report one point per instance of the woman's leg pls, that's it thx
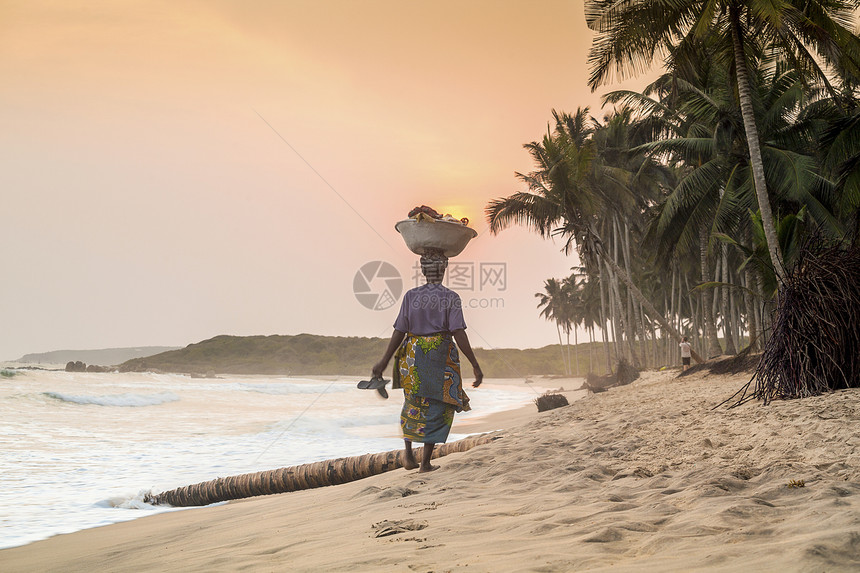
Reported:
(409, 459)
(425, 458)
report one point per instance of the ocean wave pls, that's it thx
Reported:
(280, 388)
(125, 400)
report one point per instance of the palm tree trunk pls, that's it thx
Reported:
(623, 327)
(569, 360)
(695, 316)
(752, 316)
(663, 337)
(561, 347)
(603, 318)
(751, 129)
(736, 316)
(306, 476)
(671, 306)
(655, 349)
(591, 350)
(674, 312)
(707, 305)
(617, 328)
(607, 350)
(624, 311)
(637, 315)
(728, 317)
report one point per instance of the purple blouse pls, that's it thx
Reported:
(429, 309)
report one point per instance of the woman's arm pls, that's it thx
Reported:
(393, 344)
(463, 343)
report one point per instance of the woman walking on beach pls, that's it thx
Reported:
(427, 364)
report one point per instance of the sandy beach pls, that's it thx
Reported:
(646, 477)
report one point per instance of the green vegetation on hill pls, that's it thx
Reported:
(308, 354)
(105, 356)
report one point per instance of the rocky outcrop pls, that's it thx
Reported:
(79, 366)
(76, 367)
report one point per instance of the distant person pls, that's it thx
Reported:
(685, 353)
(427, 364)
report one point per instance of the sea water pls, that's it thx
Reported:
(80, 450)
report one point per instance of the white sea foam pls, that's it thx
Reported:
(128, 501)
(127, 400)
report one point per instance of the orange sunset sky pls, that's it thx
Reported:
(177, 170)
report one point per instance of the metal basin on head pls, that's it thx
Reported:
(424, 234)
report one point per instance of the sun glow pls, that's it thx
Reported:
(458, 211)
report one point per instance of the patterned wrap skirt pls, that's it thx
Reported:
(428, 369)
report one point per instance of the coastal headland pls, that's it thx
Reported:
(315, 355)
(644, 477)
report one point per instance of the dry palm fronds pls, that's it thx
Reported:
(815, 342)
(625, 373)
(550, 401)
(305, 476)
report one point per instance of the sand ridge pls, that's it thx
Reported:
(646, 477)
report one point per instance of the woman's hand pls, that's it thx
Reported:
(479, 376)
(393, 344)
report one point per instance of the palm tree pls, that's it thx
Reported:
(803, 32)
(575, 315)
(632, 183)
(840, 144)
(702, 133)
(552, 301)
(564, 197)
(592, 315)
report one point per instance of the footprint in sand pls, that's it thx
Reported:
(386, 528)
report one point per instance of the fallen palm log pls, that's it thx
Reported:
(305, 476)
(624, 375)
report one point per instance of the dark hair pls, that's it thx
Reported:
(433, 265)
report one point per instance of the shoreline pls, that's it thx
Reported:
(642, 477)
(54, 501)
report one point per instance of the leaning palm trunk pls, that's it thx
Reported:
(649, 308)
(306, 476)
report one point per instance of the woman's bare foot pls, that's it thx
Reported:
(424, 470)
(409, 462)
